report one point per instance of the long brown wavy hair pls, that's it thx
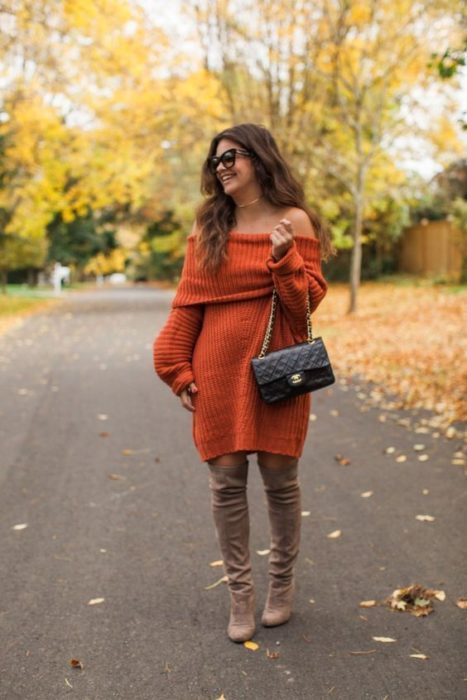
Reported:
(215, 217)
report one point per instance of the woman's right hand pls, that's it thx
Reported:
(185, 397)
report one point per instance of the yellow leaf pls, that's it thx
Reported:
(251, 645)
(224, 579)
(368, 603)
(218, 562)
(419, 656)
(462, 603)
(384, 639)
(335, 534)
(425, 518)
(366, 494)
(96, 601)
(263, 552)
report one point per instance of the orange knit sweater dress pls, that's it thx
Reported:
(217, 325)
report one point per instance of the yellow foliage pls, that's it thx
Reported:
(105, 264)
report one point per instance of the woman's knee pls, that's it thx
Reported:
(268, 460)
(228, 460)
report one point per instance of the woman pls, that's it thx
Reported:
(253, 232)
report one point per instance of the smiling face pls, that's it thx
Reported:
(239, 180)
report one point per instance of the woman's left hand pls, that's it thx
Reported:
(282, 237)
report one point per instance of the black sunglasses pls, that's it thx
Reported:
(227, 158)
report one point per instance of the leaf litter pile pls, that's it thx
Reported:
(413, 599)
(406, 340)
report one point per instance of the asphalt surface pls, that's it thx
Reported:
(96, 460)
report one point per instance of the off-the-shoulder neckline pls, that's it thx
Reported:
(248, 234)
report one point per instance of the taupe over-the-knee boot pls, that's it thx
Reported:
(230, 511)
(283, 495)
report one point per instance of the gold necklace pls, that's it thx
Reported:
(248, 204)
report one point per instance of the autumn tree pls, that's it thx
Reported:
(339, 82)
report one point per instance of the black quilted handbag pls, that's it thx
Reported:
(294, 370)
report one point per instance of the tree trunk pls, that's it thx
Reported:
(4, 281)
(356, 259)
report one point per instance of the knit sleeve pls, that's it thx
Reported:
(296, 276)
(173, 347)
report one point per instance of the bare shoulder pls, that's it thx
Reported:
(194, 230)
(301, 222)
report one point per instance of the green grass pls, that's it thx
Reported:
(20, 299)
(25, 292)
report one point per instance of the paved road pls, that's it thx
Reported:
(96, 458)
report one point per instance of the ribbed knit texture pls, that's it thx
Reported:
(217, 325)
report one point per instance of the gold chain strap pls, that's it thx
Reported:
(272, 316)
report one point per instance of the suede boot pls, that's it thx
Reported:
(284, 507)
(230, 511)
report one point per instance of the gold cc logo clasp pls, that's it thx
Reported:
(296, 379)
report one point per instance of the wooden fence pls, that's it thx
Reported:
(432, 249)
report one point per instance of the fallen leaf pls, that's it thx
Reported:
(462, 603)
(439, 595)
(305, 513)
(218, 562)
(334, 413)
(368, 603)
(423, 458)
(221, 697)
(272, 654)
(96, 601)
(419, 447)
(313, 417)
(401, 458)
(425, 492)
(224, 579)
(76, 663)
(312, 601)
(458, 462)
(251, 645)
(419, 656)
(425, 518)
(384, 639)
(104, 435)
(335, 534)
(20, 526)
(390, 450)
(366, 494)
(102, 416)
(362, 653)
(263, 552)
(116, 477)
(344, 461)
(68, 683)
